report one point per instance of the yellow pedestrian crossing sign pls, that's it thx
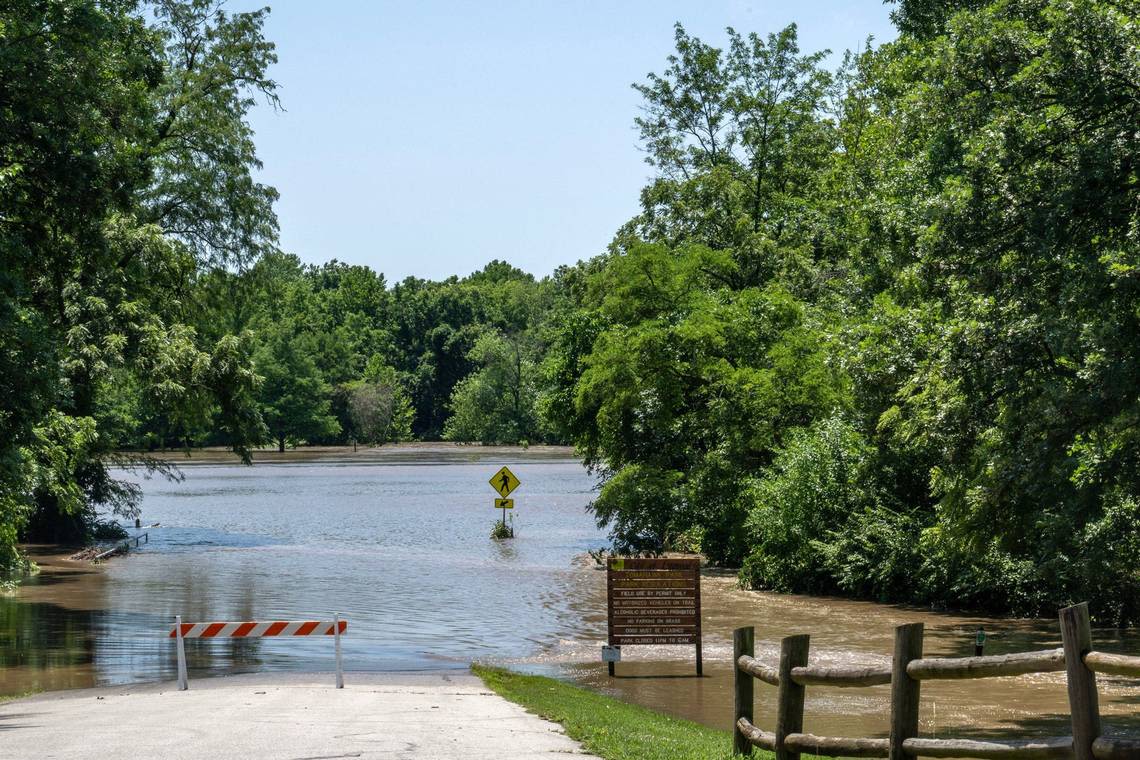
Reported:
(504, 503)
(504, 482)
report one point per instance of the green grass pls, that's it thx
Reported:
(9, 697)
(608, 727)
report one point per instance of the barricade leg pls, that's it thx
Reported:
(336, 643)
(183, 681)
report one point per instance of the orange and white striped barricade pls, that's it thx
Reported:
(250, 630)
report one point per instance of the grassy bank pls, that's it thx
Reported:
(9, 697)
(608, 727)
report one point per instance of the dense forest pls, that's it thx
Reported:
(875, 331)
(342, 358)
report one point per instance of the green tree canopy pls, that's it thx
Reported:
(294, 396)
(125, 168)
(924, 263)
(497, 402)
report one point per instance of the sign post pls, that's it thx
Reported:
(654, 601)
(504, 481)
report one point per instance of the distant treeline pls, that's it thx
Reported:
(343, 358)
(875, 330)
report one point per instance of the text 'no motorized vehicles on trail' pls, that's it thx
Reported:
(654, 601)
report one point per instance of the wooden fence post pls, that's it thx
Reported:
(904, 689)
(743, 642)
(1076, 637)
(790, 695)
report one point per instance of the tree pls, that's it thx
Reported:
(294, 397)
(924, 19)
(378, 407)
(697, 349)
(1017, 163)
(497, 402)
(200, 149)
(924, 264)
(693, 384)
(739, 141)
(110, 125)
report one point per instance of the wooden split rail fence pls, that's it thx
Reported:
(905, 675)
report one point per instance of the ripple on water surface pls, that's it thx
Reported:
(400, 550)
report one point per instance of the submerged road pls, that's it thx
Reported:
(291, 716)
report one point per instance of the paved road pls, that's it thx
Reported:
(287, 716)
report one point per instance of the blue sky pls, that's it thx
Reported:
(427, 138)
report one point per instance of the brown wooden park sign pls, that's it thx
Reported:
(654, 601)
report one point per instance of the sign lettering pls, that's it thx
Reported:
(654, 602)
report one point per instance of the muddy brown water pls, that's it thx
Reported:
(846, 632)
(396, 540)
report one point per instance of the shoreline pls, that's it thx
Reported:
(388, 453)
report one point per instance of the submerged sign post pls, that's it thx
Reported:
(653, 601)
(504, 481)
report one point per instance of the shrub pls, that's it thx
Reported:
(808, 494)
(108, 530)
(1107, 574)
(501, 531)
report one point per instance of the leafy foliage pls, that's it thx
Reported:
(873, 331)
(497, 402)
(114, 192)
(879, 324)
(295, 403)
(378, 407)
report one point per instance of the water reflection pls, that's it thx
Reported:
(402, 551)
(44, 646)
(505, 551)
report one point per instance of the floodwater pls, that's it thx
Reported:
(846, 632)
(401, 549)
(397, 541)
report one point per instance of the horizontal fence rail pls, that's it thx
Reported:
(995, 666)
(254, 629)
(837, 745)
(1025, 749)
(905, 675)
(1113, 664)
(1115, 748)
(759, 670)
(815, 675)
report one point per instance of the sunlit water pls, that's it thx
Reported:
(398, 544)
(402, 551)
